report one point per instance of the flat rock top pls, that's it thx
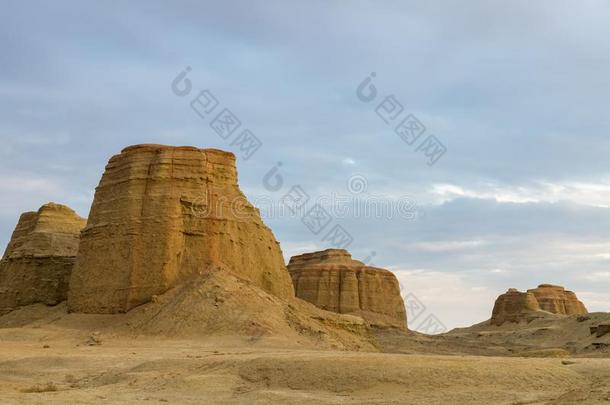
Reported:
(158, 147)
(548, 287)
(338, 256)
(552, 290)
(336, 259)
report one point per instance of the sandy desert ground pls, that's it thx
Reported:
(53, 364)
(215, 342)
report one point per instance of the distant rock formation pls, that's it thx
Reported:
(333, 281)
(515, 306)
(557, 300)
(39, 258)
(162, 215)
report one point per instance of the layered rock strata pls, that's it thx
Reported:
(162, 215)
(333, 281)
(557, 300)
(516, 306)
(39, 258)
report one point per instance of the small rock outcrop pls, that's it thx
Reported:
(39, 258)
(162, 215)
(516, 306)
(333, 281)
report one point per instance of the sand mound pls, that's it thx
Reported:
(220, 304)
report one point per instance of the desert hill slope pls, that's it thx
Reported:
(563, 335)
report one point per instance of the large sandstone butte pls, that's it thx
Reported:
(333, 281)
(515, 306)
(39, 258)
(162, 215)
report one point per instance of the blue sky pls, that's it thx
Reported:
(516, 91)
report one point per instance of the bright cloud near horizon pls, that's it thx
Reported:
(516, 91)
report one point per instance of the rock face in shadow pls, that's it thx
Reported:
(333, 281)
(557, 300)
(162, 215)
(39, 258)
(516, 306)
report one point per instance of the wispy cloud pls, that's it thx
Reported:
(444, 246)
(581, 193)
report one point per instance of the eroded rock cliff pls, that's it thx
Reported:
(39, 258)
(333, 281)
(164, 214)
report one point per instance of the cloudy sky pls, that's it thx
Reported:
(517, 93)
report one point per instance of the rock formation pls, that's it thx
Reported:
(515, 306)
(555, 299)
(162, 215)
(39, 258)
(333, 281)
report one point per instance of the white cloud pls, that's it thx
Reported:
(444, 246)
(28, 184)
(598, 276)
(595, 194)
(25, 192)
(498, 271)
